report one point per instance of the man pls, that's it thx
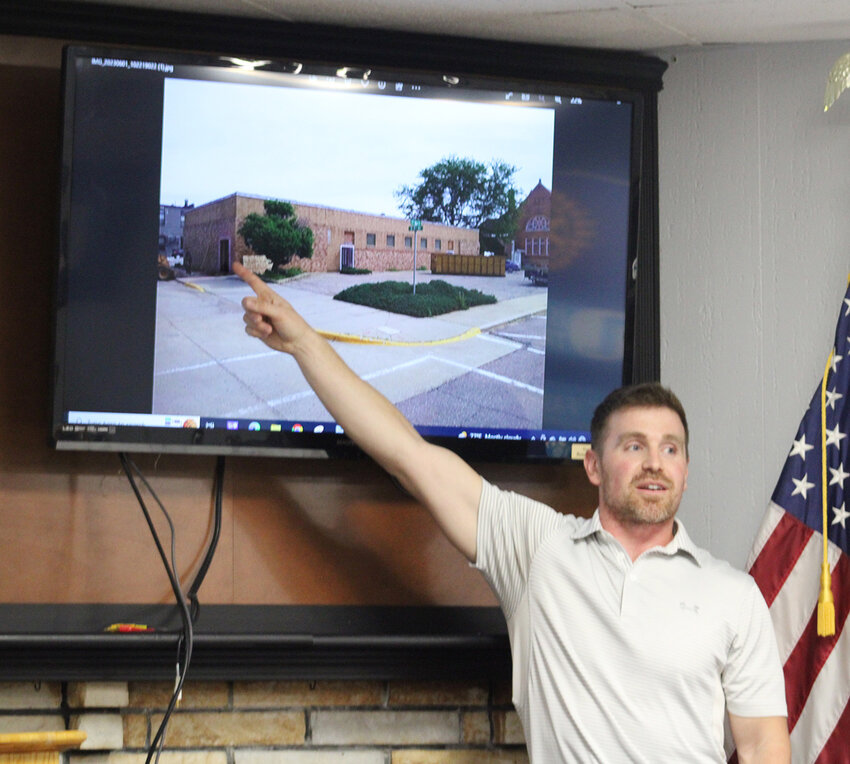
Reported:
(629, 643)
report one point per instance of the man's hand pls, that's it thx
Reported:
(268, 316)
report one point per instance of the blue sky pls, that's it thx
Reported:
(340, 148)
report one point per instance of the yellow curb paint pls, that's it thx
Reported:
(358, 340)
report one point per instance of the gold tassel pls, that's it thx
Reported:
(826, 605)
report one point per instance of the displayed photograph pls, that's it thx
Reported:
(411, 231)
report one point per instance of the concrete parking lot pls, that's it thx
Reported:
(480, 367)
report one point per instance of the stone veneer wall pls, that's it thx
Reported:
(286, 722)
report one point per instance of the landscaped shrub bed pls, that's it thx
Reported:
(432, 298)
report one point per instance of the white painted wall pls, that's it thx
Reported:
(755, 253)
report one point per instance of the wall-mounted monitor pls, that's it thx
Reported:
(525, 191)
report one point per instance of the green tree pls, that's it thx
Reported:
(496, 232)
(277, 234)
(465, 193)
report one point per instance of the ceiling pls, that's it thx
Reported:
(637, 25)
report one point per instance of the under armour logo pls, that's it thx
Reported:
(693, 608)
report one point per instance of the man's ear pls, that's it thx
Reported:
(591, 466)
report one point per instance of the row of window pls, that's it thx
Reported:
(372, 241)
(537, 246)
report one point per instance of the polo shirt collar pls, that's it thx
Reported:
(681, 541)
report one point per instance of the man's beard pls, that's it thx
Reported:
(629, 507)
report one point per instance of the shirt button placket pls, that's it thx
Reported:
(629, 578)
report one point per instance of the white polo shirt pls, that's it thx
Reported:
(621, 661)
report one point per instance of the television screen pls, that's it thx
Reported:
(467, 244)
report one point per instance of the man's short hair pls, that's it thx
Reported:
(651, 394)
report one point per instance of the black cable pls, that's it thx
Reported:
(189, 605)
(218, 490)
(185, 642)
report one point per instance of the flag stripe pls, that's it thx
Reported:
(798, 598)
(772, 515)
(779, 554)
(824, 707)
(811, 651)
(793, 606)
(836, 750)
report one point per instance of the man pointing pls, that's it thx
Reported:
(629, 643)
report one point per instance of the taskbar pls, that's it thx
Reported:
(573, 443)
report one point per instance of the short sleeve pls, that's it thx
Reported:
(511, 528)
(753, 681)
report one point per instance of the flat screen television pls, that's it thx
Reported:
(165, 155)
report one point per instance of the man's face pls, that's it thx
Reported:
(642, 469)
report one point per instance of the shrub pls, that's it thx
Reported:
(431, 299)
(277, 234)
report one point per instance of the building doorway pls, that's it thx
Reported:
(346, 250)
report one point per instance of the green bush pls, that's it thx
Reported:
(431, 299)
(348, 270)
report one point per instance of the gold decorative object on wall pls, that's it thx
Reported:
(837, 81)
(38, 747)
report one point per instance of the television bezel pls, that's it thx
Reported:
(640, 360)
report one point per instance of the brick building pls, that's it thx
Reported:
(532, 232)
(340, 237)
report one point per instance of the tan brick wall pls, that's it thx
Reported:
(204, 229)
(277, 722)
(30, 707)
(208, 224)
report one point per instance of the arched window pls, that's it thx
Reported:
(537, 223)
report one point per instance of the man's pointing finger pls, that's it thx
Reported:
(253, 280)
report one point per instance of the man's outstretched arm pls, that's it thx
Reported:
(438, 478)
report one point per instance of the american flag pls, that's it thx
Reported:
(786, 563)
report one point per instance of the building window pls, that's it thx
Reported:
(370, 240)
(438, 243)
(408, 242)
(451, 247)
(162, 216)
(390, 239)
(537, 223)
(537, 246)
(423, 242)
